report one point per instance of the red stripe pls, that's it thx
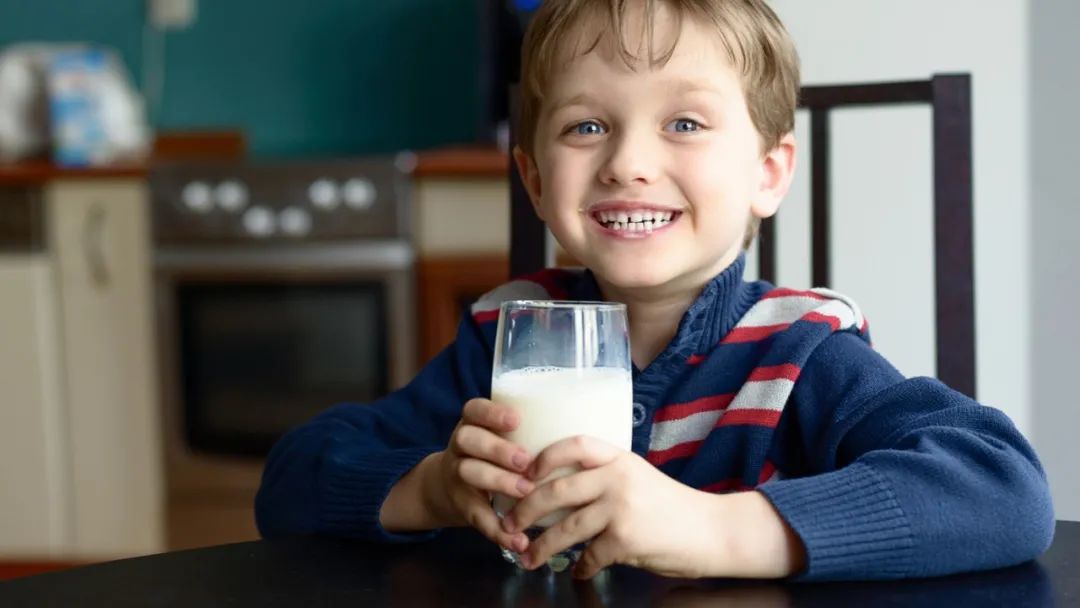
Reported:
(767, 471)
(682, 410)
(752, 334)
(736, 483)
(783, 292)
(759, 417)
(486, 316)
(865, 326)
(817, 317)
(787, 371)
(695, 359)
(683, 450)
(726, 485)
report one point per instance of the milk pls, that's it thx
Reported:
(557, 403)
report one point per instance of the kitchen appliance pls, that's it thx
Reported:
(282, 289)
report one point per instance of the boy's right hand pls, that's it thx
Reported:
(476, 463)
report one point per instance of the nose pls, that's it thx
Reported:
(632, 158)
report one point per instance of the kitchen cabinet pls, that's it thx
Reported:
(462, 229)
(33, 455)
(81, 459)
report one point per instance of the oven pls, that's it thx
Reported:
(282, 289)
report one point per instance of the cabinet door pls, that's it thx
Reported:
(99, 235)
(34, 497)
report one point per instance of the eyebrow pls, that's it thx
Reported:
(581, 99)
(681, 86)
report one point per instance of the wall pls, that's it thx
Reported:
(1055, 219)
(320, 78)
(882, 217)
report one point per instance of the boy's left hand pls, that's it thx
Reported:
(634, 513)
(638, 516)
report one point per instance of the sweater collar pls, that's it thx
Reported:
(722, 302)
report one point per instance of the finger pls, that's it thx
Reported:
(577, 527)
(479, 514)
(490, 415)
(602, 552)
(481, 443)
(487, 477)
(562, 493)
(582, 450)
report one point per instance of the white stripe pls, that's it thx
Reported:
(671, 433)
(763, 395)
(774, 311)
(514, 290)
(839, 311)
(854, 308)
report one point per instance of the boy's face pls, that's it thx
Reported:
(615, 146)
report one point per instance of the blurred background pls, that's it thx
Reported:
(219, 218)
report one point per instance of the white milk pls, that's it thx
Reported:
(557, 403)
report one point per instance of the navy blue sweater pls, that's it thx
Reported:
(761, 388)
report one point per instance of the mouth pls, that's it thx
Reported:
(633, 220)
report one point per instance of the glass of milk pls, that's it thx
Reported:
(565, 368)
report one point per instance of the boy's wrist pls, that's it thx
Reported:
(411, 503)
(754, 540)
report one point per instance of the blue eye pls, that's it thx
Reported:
(685, 125)
(588, 127)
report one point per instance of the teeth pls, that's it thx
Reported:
(635, 221)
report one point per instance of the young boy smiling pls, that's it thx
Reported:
(769, 439)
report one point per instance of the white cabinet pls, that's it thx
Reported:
(34, 488)
(89, 480)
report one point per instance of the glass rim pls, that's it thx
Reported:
(562, 305)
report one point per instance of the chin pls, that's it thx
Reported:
(640, 277)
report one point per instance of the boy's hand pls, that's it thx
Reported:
(476, 463)
(637, 515)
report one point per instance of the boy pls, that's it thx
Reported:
(655, 135)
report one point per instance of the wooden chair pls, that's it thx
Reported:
(949, 96)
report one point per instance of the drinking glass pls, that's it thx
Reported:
(565, 368)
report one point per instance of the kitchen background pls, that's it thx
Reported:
(340, 162)
(329, 78)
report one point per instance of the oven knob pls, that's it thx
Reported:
(259, 221)
(324, 194)
(197, 197)
(294, 221)
(359, 193)
(231, 195)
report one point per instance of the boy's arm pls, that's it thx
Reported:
(332, 475)
(891, 478)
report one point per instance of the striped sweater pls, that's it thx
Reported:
(761, 388)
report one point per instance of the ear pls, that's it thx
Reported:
(530, 177)
(777, 171)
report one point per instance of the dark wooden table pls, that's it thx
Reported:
(462, 569)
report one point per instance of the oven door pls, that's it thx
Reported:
(257, 342)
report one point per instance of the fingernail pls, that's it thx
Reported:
(520, 460)
(520, 543)
(524, 486)
(508, 525)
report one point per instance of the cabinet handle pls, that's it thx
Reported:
(93, 246)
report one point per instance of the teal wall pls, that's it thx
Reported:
(322, 77)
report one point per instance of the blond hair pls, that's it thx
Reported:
(754, 39)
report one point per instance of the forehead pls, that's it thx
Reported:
(683, 51)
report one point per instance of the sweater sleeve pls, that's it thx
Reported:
(894, 478)
(331, 475)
